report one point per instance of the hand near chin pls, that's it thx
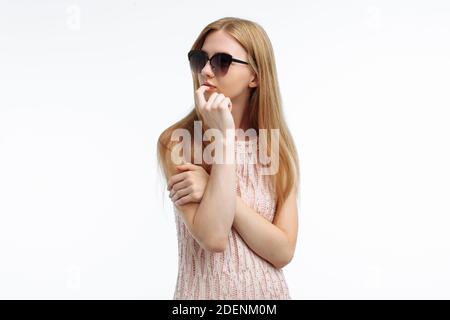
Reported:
(216, 111)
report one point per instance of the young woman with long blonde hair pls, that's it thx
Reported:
(237, 227)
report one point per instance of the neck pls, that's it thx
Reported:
(240, 111)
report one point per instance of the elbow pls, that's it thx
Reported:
(281, 264)
(216, 245)
(284, 261)
(212, 242)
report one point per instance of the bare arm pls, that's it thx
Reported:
(210, 221)
(274, 242)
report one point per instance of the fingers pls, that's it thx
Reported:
(178, 186)
(215, 100)
(208, 103)
(200, 95)
(175, 178)
(181, 193)
(184, 200)
(187, 166)
(213, 111)
(226, 104)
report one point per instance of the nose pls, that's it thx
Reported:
(207, 70)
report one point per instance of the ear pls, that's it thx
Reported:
(254, 82)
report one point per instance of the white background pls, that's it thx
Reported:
(86, 88)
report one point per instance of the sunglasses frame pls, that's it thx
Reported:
(192, 52)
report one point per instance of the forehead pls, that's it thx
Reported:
(220, 41)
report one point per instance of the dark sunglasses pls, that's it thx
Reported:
(220, 62)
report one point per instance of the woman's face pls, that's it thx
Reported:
(239, 79)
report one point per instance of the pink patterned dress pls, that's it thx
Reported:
(238, 272)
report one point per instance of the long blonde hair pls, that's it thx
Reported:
(264, 109)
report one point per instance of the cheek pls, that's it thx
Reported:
(232, 86)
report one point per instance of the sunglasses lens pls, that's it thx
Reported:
(197, 60)
(220, 63)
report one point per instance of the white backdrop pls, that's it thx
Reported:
(86, 87)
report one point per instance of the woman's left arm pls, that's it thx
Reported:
(273, 241)
(276, 241)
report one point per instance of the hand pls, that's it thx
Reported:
(189, 185)
(216, 112)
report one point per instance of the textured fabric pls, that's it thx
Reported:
(238, 272)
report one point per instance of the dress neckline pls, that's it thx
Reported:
(250, 140)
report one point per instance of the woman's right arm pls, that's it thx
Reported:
(210, 221)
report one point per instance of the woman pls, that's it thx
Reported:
(237, 227)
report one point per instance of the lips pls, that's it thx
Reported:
(208, 84)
